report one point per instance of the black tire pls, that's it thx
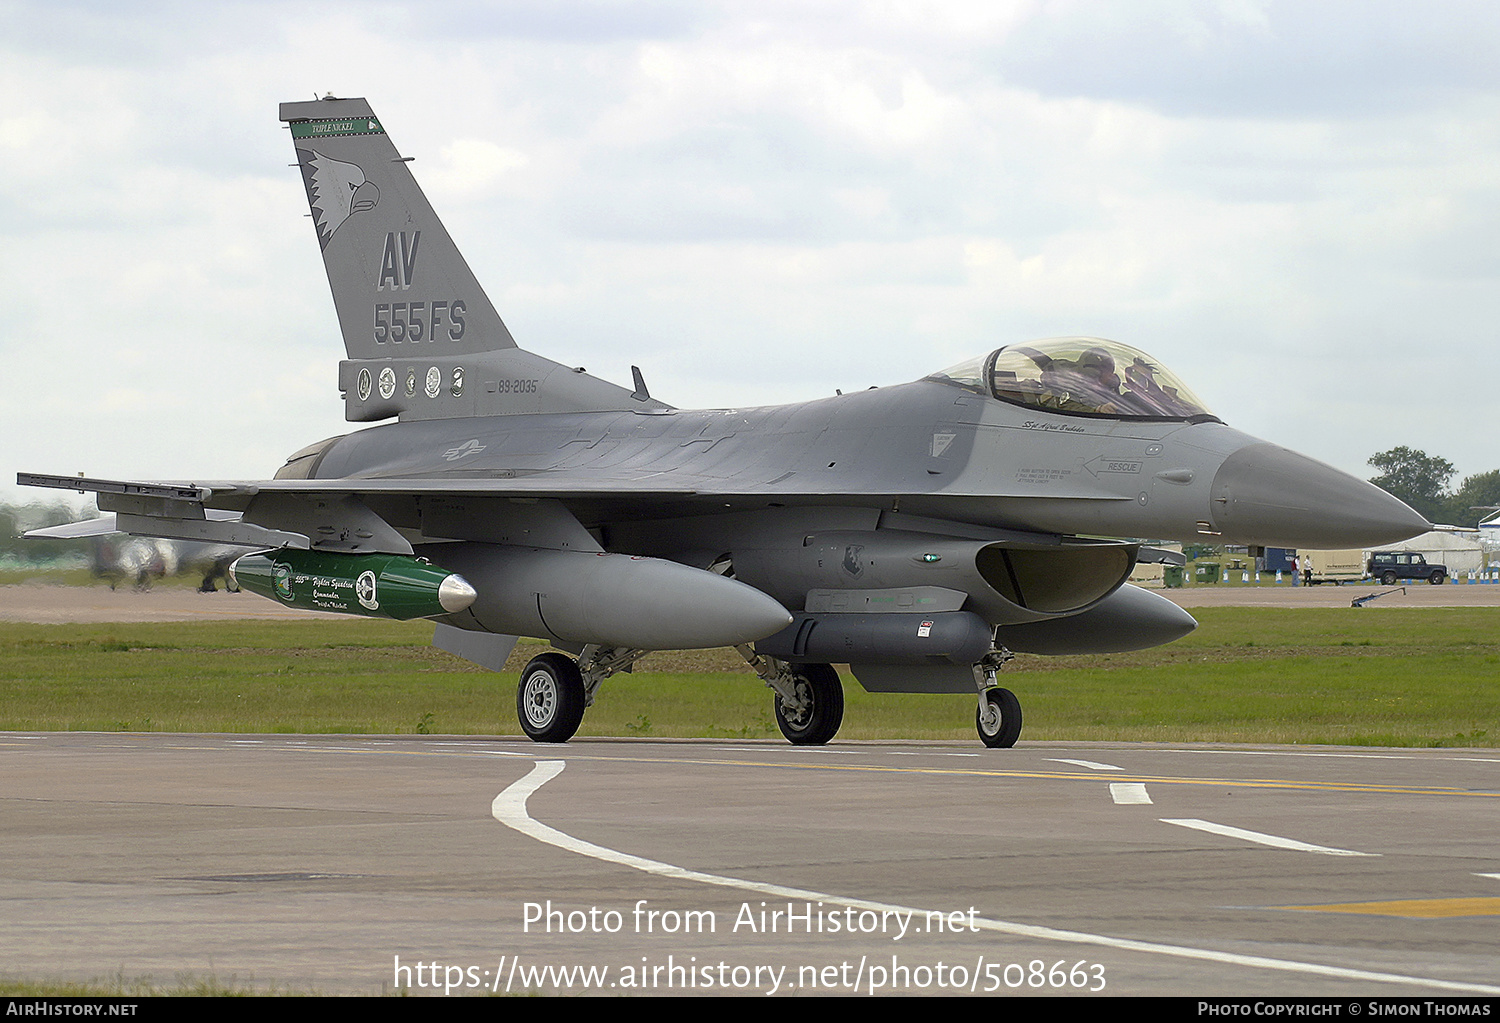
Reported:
(1008, 729)
(819, 721)
(549, 698)
(1437, 579)
(1388, 579)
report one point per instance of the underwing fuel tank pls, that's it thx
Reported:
(615, 600)
(373, 585)
(939, 637)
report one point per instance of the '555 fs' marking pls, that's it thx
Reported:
(411, 322)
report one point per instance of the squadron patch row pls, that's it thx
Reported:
(432, 384)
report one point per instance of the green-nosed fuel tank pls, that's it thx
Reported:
(373, 585)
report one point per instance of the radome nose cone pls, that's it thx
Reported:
(1265, 494)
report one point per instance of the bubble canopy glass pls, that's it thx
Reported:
(1086, 376)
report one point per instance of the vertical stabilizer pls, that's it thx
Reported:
(401, 288)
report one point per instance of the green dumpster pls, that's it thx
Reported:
(1171, 576)
(1207, 572)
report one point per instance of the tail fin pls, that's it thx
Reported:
(400, 285)
(423, 340)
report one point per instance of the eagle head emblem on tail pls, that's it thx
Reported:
(335, 191)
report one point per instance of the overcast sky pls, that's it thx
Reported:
(1292, 204)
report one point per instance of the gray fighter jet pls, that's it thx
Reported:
(919, 533)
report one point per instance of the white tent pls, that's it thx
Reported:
(1489, 532)
(1459, 549)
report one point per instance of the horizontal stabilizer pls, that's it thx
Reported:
(107, 523)
(100, 526)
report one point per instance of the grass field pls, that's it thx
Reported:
(1386, 677)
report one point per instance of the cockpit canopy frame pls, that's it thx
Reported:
(1083, 376)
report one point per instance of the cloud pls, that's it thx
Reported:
(760, 203)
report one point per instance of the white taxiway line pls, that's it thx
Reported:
(1424, 755)
(1262, 839)
(1129, 793)
(1091, 765)
(509, 808)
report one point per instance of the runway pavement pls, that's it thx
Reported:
(358, 864)
(462, 865)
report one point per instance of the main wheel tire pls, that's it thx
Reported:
(549, 698)
(819, 719)
(1389, 579)
(1008, 726)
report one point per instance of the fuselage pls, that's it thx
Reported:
(924, 448)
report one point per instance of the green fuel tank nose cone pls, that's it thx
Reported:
(374, 585)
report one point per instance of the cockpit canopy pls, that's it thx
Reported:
(1081, 376)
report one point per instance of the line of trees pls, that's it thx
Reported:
(1421, 480)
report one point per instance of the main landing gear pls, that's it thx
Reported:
(812, 715)
(809, 700)
(555, 690)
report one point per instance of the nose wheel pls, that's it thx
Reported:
(998, 718)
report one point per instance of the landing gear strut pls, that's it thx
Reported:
(809, 699)
(998, 717)
(555, 690)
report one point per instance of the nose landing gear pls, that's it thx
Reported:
(998, 717)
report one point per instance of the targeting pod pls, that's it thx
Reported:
(373, 585)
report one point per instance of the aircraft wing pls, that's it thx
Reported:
(521, 484)
(236, 493)
(327, 513)
(337, 513)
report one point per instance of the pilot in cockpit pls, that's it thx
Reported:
(1099, 384)
(1087, 385)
